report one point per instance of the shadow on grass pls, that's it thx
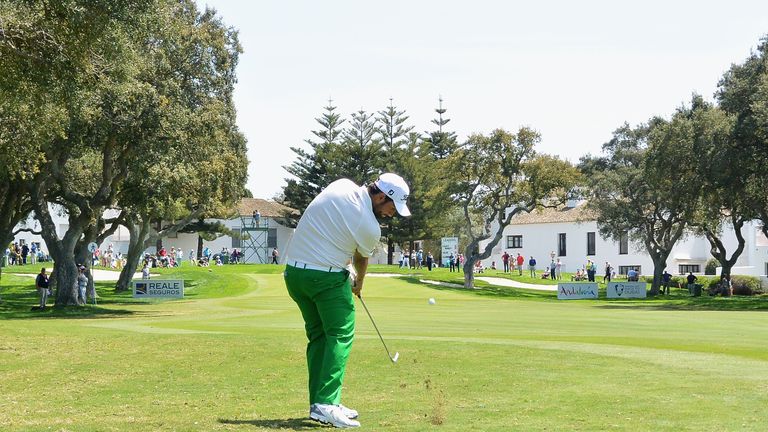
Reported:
(21, 304)
(292, 423)
(675, 301)
(683, 302)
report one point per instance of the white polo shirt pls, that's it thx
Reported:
(337, 222)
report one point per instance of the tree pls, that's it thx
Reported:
(440, 143)
(310, 167)
(743, 93)
(499, 176)
(134, 78)
(358, 155)
(398, 144)
(722, 200)
(649, 186)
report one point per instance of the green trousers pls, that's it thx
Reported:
(325, 301)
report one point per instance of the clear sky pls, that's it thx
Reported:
(574, 71)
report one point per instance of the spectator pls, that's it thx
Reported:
(478, 267)
(430, 260)
(452, 262)
(632, 275)
(608, 272)
(666, 278)
(505, 261)
(42, 285)
(552, 269)
(520, 260)
(82, 284)
(691, 283)
(275, 255)
(145, 271)
(24, 253)
(192, 256)
(558, 269)
(578, 276)
(532, 266)
(725, 286)
(590, 268)
(419, 258)
(256, 218)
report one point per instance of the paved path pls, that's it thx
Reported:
(515, 284)
(491, 280)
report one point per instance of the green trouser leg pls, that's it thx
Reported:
(326, 304)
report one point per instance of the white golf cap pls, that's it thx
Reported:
(396, 189)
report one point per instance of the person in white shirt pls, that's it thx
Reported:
(339, 225)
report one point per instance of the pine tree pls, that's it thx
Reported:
(440, 143)
(311, 167)
(358, 156)
(394, 136)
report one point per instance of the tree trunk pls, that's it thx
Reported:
(199, 246)
(136, 245)
(659, 265)
(469, 274)
(64, 278)
(390, 250)
(159, 241)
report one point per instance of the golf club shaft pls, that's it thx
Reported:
(374, 326)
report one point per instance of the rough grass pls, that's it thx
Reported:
(230, 357)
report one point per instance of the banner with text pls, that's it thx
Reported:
(450, 245)
(626, 290)
(161, 288)
(576, 290)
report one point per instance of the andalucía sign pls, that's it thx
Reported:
(576, 290)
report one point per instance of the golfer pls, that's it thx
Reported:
(338, 225)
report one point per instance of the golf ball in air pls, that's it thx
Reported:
(431, 301)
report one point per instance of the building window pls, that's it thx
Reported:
(624, 243)
(689, 268)
(561, 244)
(272, 237)
(514, 242)
(624, 269)
(590, 243)
(237, 242)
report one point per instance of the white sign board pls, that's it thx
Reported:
(160, 288)
(576, 290)
(450, 245)
(626, 290)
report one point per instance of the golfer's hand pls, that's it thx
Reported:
(357, 286)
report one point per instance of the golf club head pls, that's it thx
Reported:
(394, 359)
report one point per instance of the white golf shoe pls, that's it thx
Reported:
(334, 415)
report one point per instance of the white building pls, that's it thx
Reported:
(571, 234)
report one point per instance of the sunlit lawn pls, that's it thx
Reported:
(230, 356)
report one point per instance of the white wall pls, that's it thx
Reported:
(540, 240)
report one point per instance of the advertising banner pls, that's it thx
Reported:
(626, 290)
(161, 288)
(450, 245)
(576, 290)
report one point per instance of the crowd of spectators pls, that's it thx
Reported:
(20, 253)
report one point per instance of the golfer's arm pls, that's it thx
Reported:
(361, 266)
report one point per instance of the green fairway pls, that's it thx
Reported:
(230, 357)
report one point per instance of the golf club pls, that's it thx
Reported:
(397, 354)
